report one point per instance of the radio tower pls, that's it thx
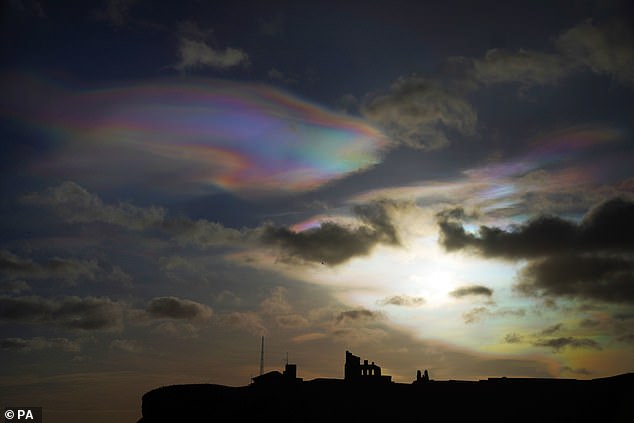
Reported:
(262, 357)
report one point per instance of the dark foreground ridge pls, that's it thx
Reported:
(366, 395)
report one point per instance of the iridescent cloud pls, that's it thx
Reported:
(558, 162)
(197, 132)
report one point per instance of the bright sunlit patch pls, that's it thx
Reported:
(237, 136)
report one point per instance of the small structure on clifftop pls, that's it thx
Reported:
(354, 371)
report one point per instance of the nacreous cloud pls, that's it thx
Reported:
(190, 136)
(589, 259)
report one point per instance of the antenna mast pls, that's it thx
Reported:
(262, 357)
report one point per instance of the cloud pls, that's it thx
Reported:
(69, 270)
(354, 316)
(126, 345)
(512, 338)
(307, 337)
(197, 54)
(276, 303)
(471, 290)
(552, 329)
(402, 300)
(589, 259)
(419, 113)
(13, 286)
(247, 321)
(604, 278)
(203, 233)
(558, 344)
(605, 49)
(89, 313)
(116, 12)
(38, 343)
(332, 243)
(74, 204)
(178, 308)
(478, 313)
(524, 66)
(359, 336)
(292, 321)
(191, 30)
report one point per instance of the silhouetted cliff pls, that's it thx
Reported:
(366, 394)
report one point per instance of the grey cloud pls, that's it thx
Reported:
(512, 338)
(523, 66)
(247, 321)
(292, 321)
(472, 290)
(89, 313)
(605, 49)
(356, 315)
(126, 345)
(603, 278)
(419, 113)
(13, 286)
(75, 204)
(590, 259)
(332, 243)
(38, 343)
(552, 329)
(478, 313)
(198, 54)
(178, 308)
(204, 234)
(403, 300)
(116, 12)
(557, 344)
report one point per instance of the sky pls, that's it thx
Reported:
(441, 185)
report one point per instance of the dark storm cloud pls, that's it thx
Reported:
(332, 243)
(402, 300)
(89, 313)
(178, 308)
(558, 344)
(471, 291)
(419, 113)
(589, 259)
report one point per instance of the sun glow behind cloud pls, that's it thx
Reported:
(201, 132)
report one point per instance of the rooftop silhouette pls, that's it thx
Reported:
(366, 394)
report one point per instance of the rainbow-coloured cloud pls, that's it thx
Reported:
(197, 133)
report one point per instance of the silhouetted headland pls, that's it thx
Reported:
(366, 394)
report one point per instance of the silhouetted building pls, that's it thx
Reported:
(275, 378)
(421, 378)
(354, 371)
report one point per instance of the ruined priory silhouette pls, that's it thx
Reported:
(366, 394)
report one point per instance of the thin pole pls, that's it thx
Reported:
(262, 357)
